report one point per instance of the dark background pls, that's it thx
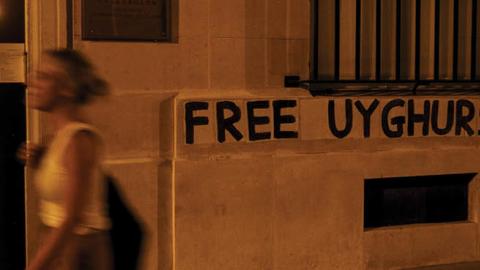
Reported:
(12, 134)
(12, 21)
(12, 220)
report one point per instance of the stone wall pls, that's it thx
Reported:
(221, 46)
(267, 204)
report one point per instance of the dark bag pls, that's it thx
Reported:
(126, 233)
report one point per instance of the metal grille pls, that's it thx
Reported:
(404, 46)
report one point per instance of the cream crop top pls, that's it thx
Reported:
(51, 179)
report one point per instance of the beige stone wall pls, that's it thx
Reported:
(221, 46)
(298, 203)
(234, 44)
(276, 204)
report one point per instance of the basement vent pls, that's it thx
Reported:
(418, 199)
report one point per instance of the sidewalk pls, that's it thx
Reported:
(456, 266)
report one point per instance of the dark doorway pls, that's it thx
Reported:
(13, 21)
(12, 134)
(12, 213)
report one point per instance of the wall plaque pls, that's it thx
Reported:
(129, 20)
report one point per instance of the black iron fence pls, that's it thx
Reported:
(395, 38)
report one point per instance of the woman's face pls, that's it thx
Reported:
(48, 87)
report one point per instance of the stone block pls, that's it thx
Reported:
(241, 126)
(255, 18)
(298, 19)
(277, 62)
(474, 123)
(326, 41)
(202, 134)
(386, 248)
(477, 116)
(375, 118)
(139, 185)
(277, 19)
(474, 199)
(313, 225)
(224, 214)
(441, 121)
(167, 124)
(262, 112)
(285, 129)
(418, 109)
(193, 63)
(157, 62)
(347, 37)
(397, 112)
(298, 57)
(137, 129)
(160, 64)
(194, 17)
(165, 215)
(255, 63)
(411, 162)
(339, 120)
(448, 243)
(227, 62)
(227, 18)
(426, 47)
(314, 119)
(420, 245)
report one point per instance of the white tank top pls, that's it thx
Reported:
(51, 179)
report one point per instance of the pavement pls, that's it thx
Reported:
(456, 266)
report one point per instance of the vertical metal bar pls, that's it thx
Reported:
(314, 41)
(473, 75)
(455, 41)
(337, 40)
(378, 39)
(436, 61)
(418, 12)
(358, 38)
(69, 24)
(398, 40)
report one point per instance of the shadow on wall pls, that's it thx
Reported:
(127, 232)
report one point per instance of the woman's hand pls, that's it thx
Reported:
(30, 154)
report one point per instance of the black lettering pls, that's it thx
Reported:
(279, 119)
(257, 120)
(398, 121)
(332, 120)
(435, 118)
(463, 120)
(366, 114)
(191, 121)
(224, 124)
(418, 118)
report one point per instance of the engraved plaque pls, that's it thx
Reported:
(129, 20)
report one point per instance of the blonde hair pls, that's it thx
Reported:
(86, 83)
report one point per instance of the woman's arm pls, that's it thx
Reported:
(79, 160)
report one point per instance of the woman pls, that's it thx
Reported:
(68, 176)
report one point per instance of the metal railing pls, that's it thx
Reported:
(376, 83)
